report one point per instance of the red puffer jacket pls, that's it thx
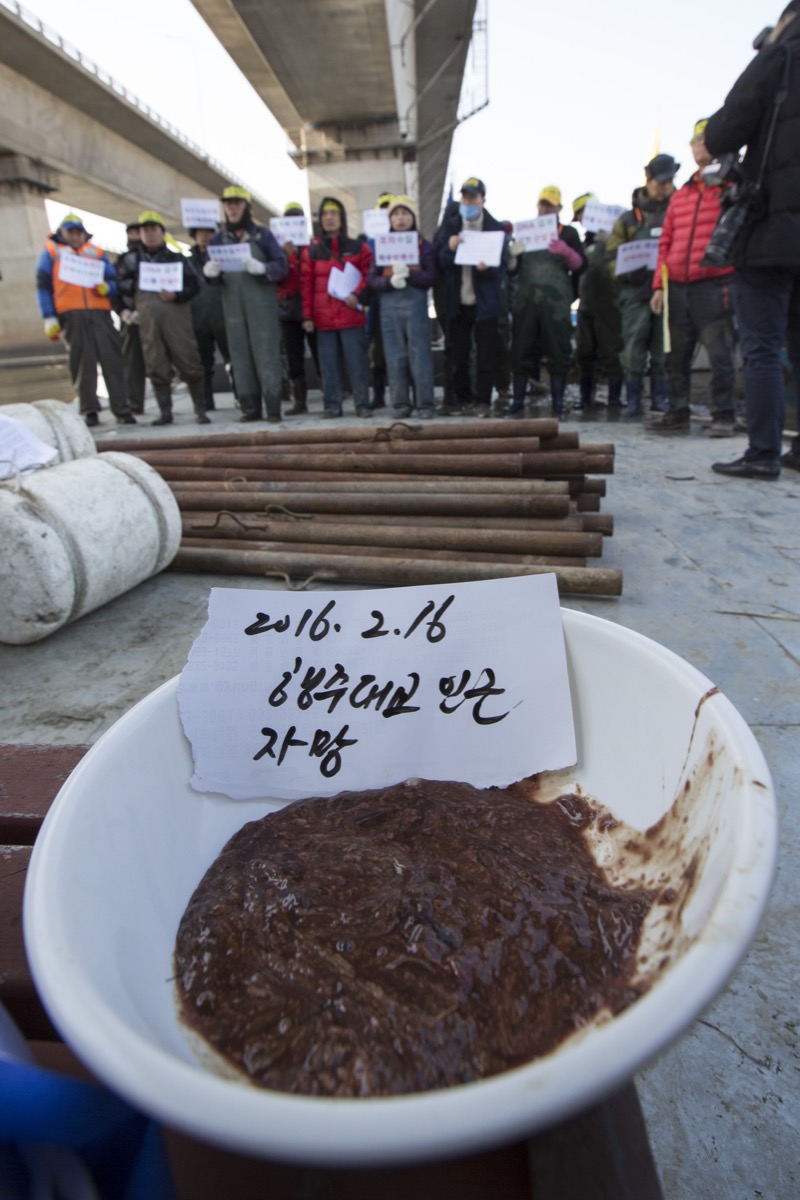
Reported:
(691, 217)
(316, 263)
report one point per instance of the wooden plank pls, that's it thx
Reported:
(30, 778)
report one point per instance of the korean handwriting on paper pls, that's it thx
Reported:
(304, 685)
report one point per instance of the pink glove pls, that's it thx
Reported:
(571, 257)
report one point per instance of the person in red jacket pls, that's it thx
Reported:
(339, 320)
(699, 299)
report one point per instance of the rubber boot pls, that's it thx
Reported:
(251, 408)
(658, 395)
(197, 391)
(300, 398)
(208, 393)
(164, 400)
(558, 384)
(615, 393)
(587, 391)
(633, 392)
(519, 386)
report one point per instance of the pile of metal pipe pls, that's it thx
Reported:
(389, 505)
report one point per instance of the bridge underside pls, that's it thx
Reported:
(366, 90)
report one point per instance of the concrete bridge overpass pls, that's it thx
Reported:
(367, 90)
(69, 131)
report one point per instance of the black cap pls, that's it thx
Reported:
(473, 187)
(132, 225)
(662, 168)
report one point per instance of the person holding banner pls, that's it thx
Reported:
(333, 278)
(599, 340)
(540, 317)
(208, 317)
(700, 308)
(250, 303)
(290, 308)
(132, 357)
(642, 331)
(75, 287)
(403, 290)
(471, 300)
(156, 285)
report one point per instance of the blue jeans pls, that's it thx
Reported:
(767, 306)
(351, 345)
(407, 346)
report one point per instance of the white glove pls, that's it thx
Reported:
(52, 328)
(254, 267)
(397, 281)
(129, 316)
(399, 270)
(516, 248)
(212, 269)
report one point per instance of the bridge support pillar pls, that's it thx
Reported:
(24, 225)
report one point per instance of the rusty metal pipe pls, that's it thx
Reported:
(365, 569)
(540, 505)
(245, 546)
(416, 486)
(533, 427)
(409, 536)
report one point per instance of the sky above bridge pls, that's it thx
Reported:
(579, 92)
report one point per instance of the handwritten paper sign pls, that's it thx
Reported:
(161, 277)
(538, 233)
(79, 269)
(479, 247)
(200, 214)
(231, 256)
(633, 255)
(376, 220)
(599, 218)
(290, 229)
(343, 282)
(397, 247)
(289, 694)
(21, 450)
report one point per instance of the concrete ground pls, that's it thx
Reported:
(711, 570)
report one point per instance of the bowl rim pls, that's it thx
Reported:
(464, 1119)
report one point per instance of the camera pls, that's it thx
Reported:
(740, 203)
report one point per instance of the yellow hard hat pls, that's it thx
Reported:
(402, 202)
(384, 200)
(551, 194)
(234, 192)
(294, 209)
(150, 218)
(71, 221)
(699, 130)
(580, 202)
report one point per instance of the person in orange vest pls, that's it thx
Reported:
(75, 300)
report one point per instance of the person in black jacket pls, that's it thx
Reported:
(208, 317)
(164, 318)
(472, 300)
(766, 284)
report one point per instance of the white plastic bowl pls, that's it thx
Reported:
(127, 840)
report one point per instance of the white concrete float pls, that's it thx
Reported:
(76, 535)
(55, 424)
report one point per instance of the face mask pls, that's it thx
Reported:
(468, 211)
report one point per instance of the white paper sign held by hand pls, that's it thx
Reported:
(161, 277)
(288, 695)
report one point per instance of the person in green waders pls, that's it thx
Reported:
(540, 315)
(250, 302)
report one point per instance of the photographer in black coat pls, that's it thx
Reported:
(766, 287)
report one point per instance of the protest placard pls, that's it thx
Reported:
(288, 694)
